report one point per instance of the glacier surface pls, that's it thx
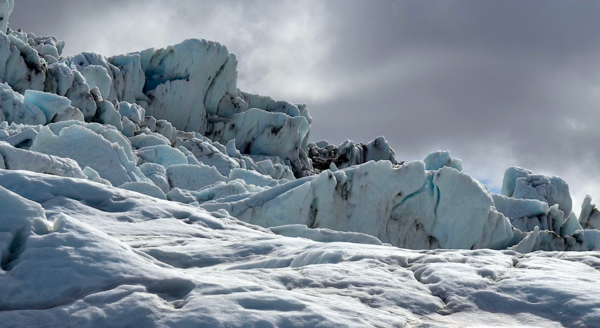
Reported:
(146, 189)
(90, 255)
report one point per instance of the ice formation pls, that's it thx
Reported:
(524, 184)
(174, 119)
(79, 253)
(406, 206)
(323, 154)
(147, 189)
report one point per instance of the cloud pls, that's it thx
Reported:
(498, 83)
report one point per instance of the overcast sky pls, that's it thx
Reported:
(498, 83)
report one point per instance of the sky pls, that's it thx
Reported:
(498, 83)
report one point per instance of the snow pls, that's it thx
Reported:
(97, 255)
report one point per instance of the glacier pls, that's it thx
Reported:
(146, 189)
(87, 254)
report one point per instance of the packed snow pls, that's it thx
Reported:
(147, 190)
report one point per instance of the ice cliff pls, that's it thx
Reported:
(120, 173)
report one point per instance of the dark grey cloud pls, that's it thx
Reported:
(498, 83)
